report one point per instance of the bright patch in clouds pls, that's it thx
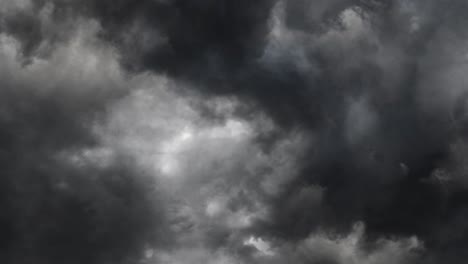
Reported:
(261, 245)
(186, 142)
(168, 162)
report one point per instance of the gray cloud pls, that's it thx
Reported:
(228, 122)
(56, 209)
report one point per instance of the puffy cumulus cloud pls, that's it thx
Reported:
(233, 131)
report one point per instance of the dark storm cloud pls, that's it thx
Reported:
(55, 206)
(384, 179)
(359, 76)
(173, 36)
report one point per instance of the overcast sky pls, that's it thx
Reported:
(233, 131)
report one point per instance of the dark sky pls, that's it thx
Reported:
(233, 131)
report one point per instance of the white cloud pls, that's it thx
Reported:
(261, 245)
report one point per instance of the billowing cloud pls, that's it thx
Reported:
(56, 206)
(190, 131)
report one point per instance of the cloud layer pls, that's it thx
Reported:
(270, 131)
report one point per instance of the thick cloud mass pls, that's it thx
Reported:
(216, 131)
